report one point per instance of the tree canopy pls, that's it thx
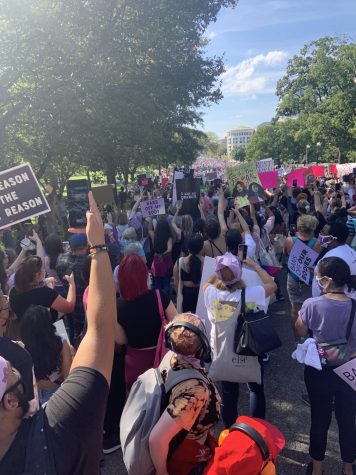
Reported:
(105, 84)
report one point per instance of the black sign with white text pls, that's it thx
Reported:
(21, 197)
(188, 191)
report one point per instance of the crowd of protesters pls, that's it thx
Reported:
(111, 287)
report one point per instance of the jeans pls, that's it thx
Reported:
(230, 397)
(163, 283)
(323, 388)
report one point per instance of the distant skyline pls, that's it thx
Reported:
(257, 40)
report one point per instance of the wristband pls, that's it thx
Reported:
(93, 250)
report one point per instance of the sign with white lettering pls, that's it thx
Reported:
(21, 197)
(153, 207)
(188, 191)
(266, 165)
(347, 373)
(301, 260)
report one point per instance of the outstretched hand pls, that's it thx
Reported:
(94, 228)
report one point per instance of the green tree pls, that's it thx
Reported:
(109, 85)
(319, 88)
(239, 154)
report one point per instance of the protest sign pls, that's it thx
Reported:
(269, 179)
(244, 184)
(266, 165)
(299, 175)
(21, 197)
(347, 372)
(345, 169)
(103, 194)
(249, 277)
(332, 169)
(165, 181)
(318, 170)
(301, 260)
(178, 175)
(153, 207)
(188, 191)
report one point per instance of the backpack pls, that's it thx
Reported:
(147, 400)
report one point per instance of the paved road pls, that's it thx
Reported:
(284, 386)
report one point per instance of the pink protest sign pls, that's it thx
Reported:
(318, 170)
(298, 175)
(269, 179)
(332, 169)
(165, 181)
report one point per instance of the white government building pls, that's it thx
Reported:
(240, 136)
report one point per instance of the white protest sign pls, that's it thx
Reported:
(21, 197)
(347, 372)
(266, 165)
(153, 207)
(61, 330)
(249, 277)
(178, 175)
(301, 259)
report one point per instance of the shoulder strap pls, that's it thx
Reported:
(180, 375)
(243, 302)
(351, 319)
(216, 247)
(160, 307)
(254, 435)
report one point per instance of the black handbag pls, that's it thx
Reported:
(254, 333)
(336, 353)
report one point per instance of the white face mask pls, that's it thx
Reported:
(321, 286)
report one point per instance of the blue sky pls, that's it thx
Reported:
(257, 39)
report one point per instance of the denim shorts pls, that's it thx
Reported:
(298, 291)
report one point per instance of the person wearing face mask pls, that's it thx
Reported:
(333, 239)
(327, 317)
(297, 290)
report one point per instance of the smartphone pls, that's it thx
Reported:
(77, 202)
(242, 250)
(66, 246)
(292, 229)
(294, 183)
(310, 179)
(28, 229)
(337, 186)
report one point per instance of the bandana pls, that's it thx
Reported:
(233, 263)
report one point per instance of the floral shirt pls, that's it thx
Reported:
(194, 404)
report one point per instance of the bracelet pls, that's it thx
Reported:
(93, 250)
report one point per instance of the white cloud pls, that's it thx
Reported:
(210, 35)
(255, 75)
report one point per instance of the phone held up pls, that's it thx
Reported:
(77, 202)
(242, 251)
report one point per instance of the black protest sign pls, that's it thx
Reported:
(188, 191)
(21, 197)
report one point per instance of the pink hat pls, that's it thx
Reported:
(233, 263)
(4, 376)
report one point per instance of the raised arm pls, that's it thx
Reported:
(253, 214)
(317, 202)
(14, 266)
(97, 347)
(39, 246)
(221, 210)
(242, 222)
(177, 230)
(135, 206)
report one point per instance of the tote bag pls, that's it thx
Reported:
(226, 364)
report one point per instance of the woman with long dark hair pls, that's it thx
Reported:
(187, 275)
(31, 288)
(139, 321)
(50, 353)
(162, 265)
(328, 317)
(54, 248)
